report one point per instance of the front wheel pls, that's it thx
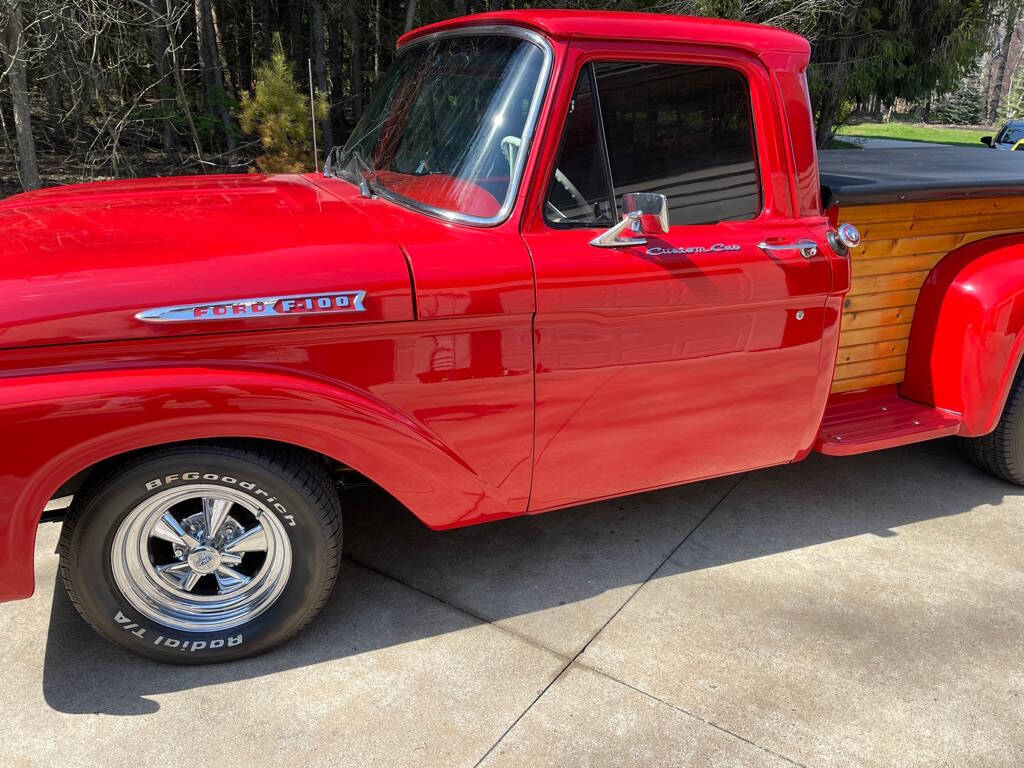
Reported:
(203, 553)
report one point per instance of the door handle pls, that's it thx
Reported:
(807, 248)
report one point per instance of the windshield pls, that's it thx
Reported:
(447, 125)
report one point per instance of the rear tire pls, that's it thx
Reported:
(203, 553)
(1001, 452)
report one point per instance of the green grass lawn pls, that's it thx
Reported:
(917, 132)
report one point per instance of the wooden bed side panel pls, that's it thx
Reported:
(901, 242)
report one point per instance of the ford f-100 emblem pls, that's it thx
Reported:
(271, 306)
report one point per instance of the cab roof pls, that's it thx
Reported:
(617, 25)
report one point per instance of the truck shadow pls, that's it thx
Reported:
(565, 561)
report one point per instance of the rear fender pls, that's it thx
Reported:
(967, 333)
(58, 425)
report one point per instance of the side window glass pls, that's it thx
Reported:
(685, 132)
(579, 192)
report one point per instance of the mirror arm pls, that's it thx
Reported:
(612, 238)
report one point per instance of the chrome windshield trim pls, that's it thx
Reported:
(529, 128)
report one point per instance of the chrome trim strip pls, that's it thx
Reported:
(242, 309)
(529, 128)
(806, 248)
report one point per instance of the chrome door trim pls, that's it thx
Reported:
(806, 248)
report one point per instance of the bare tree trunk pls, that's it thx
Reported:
(1012, 12)
(179, 82)
(410, 14)
(161, 58)
(296, 35)
(355, 39)
(376, 40)
(825, 122)
(316, 40)
(13, 45)
(244, 49)
(828, 106)
(54, 97)
(76, 87)
(212, 75)
(986, 87)
(266, 38)
(219, 45)
(335, 53)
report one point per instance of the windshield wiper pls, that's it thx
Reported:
(353, 170)
(361, 165)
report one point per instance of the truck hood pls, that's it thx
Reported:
(191, 255)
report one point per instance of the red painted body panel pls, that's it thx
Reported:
(457, 270)
(77, 263)
(876, 418)
(789, 72)
(968, 330)
(686, 347)
(644, 28)
(409, 405)
(495, 370)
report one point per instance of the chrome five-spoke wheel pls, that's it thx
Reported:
(206, 552)
(201, 557)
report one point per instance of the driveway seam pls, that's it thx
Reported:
(615, 613)
(526, 639)
(687, 712)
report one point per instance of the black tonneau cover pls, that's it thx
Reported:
(852, 176)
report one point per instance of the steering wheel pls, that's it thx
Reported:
(510, 146)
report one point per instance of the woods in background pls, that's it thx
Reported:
(103, 88)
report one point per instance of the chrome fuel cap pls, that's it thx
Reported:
(849, 236)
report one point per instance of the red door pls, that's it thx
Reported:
(700, 352)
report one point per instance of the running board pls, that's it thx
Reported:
(869, 420)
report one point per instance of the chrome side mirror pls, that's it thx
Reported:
(643, 213)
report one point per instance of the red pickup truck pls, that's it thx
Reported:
(563, 257)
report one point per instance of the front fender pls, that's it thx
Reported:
(54, 426)
(967, 333)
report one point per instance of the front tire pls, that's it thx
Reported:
(1001, 452)
(203, 553)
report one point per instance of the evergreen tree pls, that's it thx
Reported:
(961, 107)
(279, 112)
(890, 49)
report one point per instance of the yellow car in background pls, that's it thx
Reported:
(1008, 137)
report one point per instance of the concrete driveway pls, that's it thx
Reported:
(864, 611)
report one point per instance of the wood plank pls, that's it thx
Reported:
(861, 302)
(902, 242)
(890, 282)
(920, 263)
(873, 318)
(886, 230)
(908, 246)
(856, 337)
(931, 209)
(863, 352)
(863, 382)
(870, 367)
